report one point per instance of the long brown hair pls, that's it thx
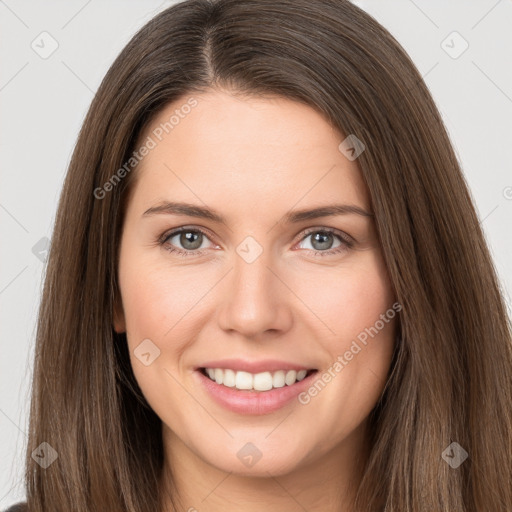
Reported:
(451, 376)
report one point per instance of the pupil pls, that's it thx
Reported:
(192, 238)
(321, 238)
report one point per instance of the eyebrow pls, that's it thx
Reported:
(192, 210)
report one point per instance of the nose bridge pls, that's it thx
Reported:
(254, 301)
(251, 280)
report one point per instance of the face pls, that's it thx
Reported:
(223, 272)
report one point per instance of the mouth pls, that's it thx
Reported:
(264, 390)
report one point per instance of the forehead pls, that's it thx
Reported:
(236, 147)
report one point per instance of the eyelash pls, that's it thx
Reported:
(346, 242)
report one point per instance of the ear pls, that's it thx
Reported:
(118, 321)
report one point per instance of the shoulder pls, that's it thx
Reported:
(19, 507)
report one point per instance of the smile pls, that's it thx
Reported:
(253, 387)
(263, 381)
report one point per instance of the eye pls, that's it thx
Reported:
(323, 241)
(191, 239)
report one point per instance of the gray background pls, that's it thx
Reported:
(44, 100)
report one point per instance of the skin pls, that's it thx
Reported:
(253, 160)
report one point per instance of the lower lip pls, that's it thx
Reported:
(253, 402)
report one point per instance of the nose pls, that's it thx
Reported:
(255, 299)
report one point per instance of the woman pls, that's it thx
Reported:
(267, 283)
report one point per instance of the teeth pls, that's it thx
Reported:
(262, 381)
(301, 374)
(291, 377)
(278, 379)
(229, 378)
(243, 380)
(258, 382)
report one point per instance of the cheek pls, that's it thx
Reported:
(147, 301)
(151, 307)
(165, 304)
(349, 298)
(158, 305)
(155, 297)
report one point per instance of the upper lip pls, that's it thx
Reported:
(265, 365)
